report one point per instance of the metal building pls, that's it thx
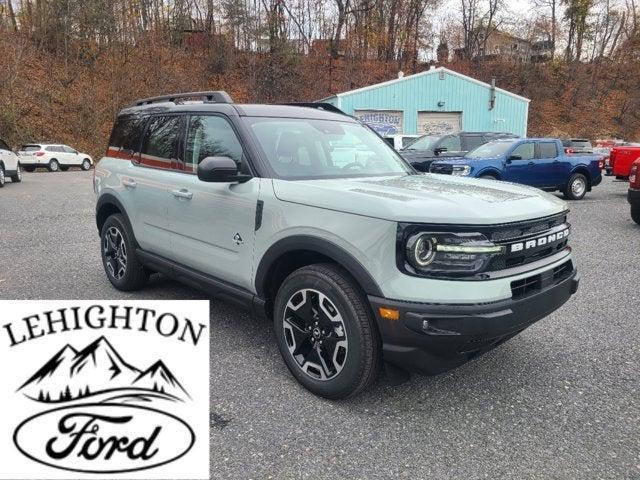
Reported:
(435, 102)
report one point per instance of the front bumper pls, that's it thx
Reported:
(433, 338)
(633, 196)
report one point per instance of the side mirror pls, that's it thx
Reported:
(440, 150)
(514, 157)
(220, 170)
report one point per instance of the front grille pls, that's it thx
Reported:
(529, 285)
(444, 169)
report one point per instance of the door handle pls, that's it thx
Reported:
(129, 182)
(182, 193)
(531, 164)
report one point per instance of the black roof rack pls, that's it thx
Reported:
(207, 97)
(327, 107)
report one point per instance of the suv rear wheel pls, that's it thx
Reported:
(2, 177)
(118, 253)
(326, 333)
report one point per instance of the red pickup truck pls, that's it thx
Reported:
(634, 191)
(622, 157)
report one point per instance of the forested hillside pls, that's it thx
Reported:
(67, 66)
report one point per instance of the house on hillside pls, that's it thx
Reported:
(435, 102)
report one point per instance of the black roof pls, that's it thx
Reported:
(220, 102)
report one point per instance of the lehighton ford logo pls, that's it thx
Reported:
(104, 389)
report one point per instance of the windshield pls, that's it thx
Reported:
(423, 143)
(307, 148)
(491, 149)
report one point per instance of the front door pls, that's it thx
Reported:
(518, 163)
(212, 225)
(71, 156)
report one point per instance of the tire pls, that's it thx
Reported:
(63, 169)
(576, 187)
(17, 178)
(350, 346)
(3, 180)
(130, 276)
(53, 166)
(488, 177)
(86, 164)
(635, 213)
(29, 169)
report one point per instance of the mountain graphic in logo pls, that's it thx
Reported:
(99, 370)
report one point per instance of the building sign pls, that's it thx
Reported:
(385, 122)
(439, 123)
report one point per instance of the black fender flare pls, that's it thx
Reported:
(317, 245)
(109, 199)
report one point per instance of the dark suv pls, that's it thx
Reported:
(429, 147)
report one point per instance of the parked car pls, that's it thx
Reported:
(577, 145)
(622, 158)
(357, 259)
(605, 153)
(429, 148)
(9, 165)
(53, 157)
(634, 191)
(400, 141)
(539, 162)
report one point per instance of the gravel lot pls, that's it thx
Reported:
(561, 400)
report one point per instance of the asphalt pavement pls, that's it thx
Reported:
(559, 401)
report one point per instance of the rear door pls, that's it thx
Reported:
(212, 224)
(147, 181)
(518, 163)
(547, 169)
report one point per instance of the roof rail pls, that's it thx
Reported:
(327, 107)
(207, 97)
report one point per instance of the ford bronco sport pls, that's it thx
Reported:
(311, 219)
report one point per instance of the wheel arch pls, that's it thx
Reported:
(582, 169)
(490, 171)
(108, 205)
(291, 253)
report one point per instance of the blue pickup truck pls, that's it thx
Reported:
(539, 162)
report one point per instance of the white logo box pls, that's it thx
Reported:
(104, 389)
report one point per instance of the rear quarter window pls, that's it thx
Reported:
(127, 133)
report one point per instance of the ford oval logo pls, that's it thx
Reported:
(104, 438)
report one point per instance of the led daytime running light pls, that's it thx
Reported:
(463, 249)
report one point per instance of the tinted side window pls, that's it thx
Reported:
(473, 142)
(127, 133)
(548, 150)
(525, 151)
(68, 149)
(210, 136)
(452, 144)
(159, 145)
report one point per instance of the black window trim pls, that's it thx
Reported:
(243, 160)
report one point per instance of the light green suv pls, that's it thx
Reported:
(311, 219)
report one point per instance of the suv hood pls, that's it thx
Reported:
(427, 198)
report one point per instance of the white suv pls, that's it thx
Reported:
(9, 165)
(52, 156)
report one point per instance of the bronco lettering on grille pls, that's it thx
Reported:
(538, 242)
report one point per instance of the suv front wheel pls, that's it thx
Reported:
(124, 270)
(326, 333)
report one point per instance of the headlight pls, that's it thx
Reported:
(450, 254)
(461, 170)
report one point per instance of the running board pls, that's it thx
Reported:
(203, 281)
